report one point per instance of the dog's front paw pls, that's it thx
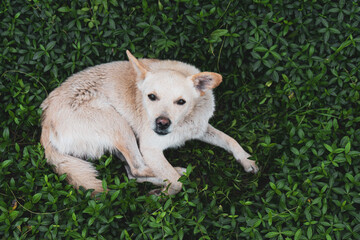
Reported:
(180, 170)
(250, 166)
(142, 172)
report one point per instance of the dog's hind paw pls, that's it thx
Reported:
(156, 192)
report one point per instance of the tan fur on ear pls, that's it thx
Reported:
(206, 80)
(139, 68)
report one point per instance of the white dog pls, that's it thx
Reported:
(138, 108)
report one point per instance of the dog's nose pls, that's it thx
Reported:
(162, 123)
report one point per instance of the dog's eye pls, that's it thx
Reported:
(152, 97)
(181, 102)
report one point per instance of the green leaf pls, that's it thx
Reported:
(309, 232)
(36, 198)
(64, 9)
(347, 147)
(339, 190)
(334, 30)
(104, 184)
(50, 197)
(301, 133)
(108, 161)
(154, 225)
(219, 33)
(295, 151)
(89, 210)
(73, 216)
(13, 215)
(260, 49)
(143, 25)
(38, 55)
(6, 163)
(328, 147)
(271, 234)
(91, 221)
(181, 234)
(168, 230)
(298, 234)
(276, 55)
(50, 45)
(270, 220)
(167, 204)
(6, 133)
(115, 195)
(288, 233)
(177, 215)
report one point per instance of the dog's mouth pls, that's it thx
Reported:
(161, 132)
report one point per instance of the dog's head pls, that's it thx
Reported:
(169, 95)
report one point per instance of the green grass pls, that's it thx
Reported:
(290, 96)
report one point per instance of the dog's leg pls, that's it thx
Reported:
(220, 139)
(136, 165)
(125, 142)
(165, 174)
(154, 180)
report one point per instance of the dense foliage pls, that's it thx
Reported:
(290, 96)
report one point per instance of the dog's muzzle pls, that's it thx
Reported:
(162, 125)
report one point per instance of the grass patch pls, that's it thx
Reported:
(290, 96)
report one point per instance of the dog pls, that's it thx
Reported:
(136, 108)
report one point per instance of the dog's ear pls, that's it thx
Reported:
(206, 80)
(139, 68)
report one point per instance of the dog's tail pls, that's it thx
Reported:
(79, 172)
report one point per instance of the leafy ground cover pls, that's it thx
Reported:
(290, 96)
